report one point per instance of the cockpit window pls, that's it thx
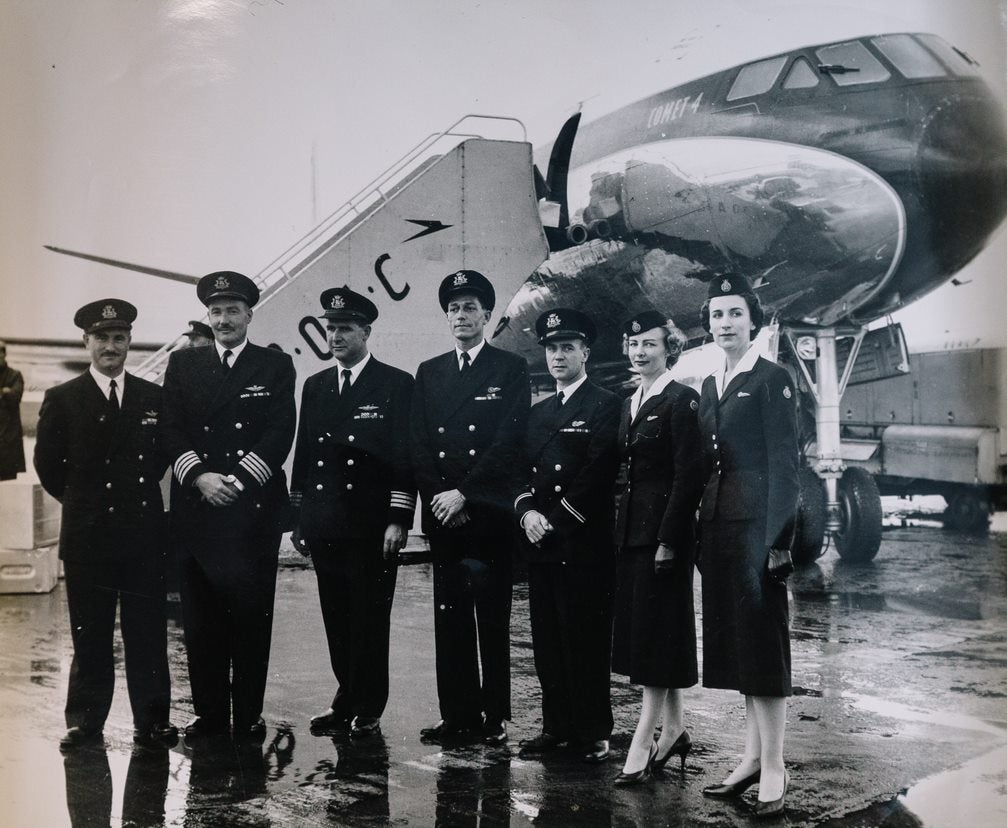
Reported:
(756, 78)
(911, 59)
(956, 61)
(850, 64)
(800, 76)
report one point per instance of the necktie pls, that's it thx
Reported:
(559, 400)
(466, 361)
(227, 360)
(345, 385)
(113, 397)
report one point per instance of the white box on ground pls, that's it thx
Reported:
(28, 570)
(29, 517)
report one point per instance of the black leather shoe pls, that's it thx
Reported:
(494, 732)
(636, 777)
(597, 752)
(766, 810)
(449, 730)
(202, 728)
(681, 748)
(733, 790)
(543, 743)
(254, 732)
(77, 737)
(365, 726)
(160, 735)
(330, 721)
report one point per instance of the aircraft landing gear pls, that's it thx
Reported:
(968, 510)
(848, 505)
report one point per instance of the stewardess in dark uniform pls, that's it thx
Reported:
(11, 436)
(565, 512)
(748, 420)
(470, 411)
(228, 426)
(655, 623)
(354, 500)
(97, 453)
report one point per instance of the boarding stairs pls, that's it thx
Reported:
(455, 200)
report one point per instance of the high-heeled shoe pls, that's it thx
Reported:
(765, 810)
(636, 777)
(680, 748)
(734, 789)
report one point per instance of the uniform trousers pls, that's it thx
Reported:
(227, 586)
(93, 591)
(472, 601)
(571, 629)
(356, 587)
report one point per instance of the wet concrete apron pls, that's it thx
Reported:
(899, 718)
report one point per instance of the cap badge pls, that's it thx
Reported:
(222, 283)
(337, 302)
(636, 326)
(725, 285)
(108, 312)
(552, 321)
(460, 279)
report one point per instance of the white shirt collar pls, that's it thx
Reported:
(235, 351)
(746, 363)
(638, 398)
(105, 383)
(354, 371)
(472, 352)
(571, 389)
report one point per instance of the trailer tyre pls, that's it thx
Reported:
(859, 538)
(809, 530)
(967, 511)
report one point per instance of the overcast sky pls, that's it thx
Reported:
(195, 135)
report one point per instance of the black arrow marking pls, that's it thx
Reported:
(397, 295)
(430, 227)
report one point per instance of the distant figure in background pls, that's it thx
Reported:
(11, 438)
(97, 453)
(199, 334)
(655, 623)
(353, 500)
(228, 425)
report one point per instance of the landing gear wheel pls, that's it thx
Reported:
(860, 503)
(809, 529)
(967, 511)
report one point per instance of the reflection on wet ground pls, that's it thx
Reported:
(898, 719)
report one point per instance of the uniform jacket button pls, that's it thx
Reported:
(108, 485)
(319, 487)
(559, 488)
(440, 429)
(533, 490)
(440, 454)
(240, 453)
(206, 428)
(472, 452)
(349, 487)
(237, 425)
(321, 463)
(111, 509)
(472, 427)
(349, 462)
(139, 457)
(143, 503)
(321, 439)
(559, 467)
(141, 480)
(534, 469)
(350, 438)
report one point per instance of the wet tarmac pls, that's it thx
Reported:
(899, 719)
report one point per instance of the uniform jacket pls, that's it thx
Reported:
(104, 467)
(466, 432)
(238, 422)
(571, 459)
(664, 474)
(351, 475)
(11, 442)
(750, 447)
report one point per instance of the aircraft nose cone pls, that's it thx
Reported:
(962, 169)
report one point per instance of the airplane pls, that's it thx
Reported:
(845, 179)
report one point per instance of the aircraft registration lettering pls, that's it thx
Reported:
(673, 110)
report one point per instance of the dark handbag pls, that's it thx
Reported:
(780, 564)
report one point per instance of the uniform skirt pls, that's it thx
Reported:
(654, 636)
(746, 621)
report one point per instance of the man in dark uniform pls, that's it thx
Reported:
(228, 425)
(354, 501)
(97, 453)
(11, 442)
(565, 512)
(199, 334)
(470, 409)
